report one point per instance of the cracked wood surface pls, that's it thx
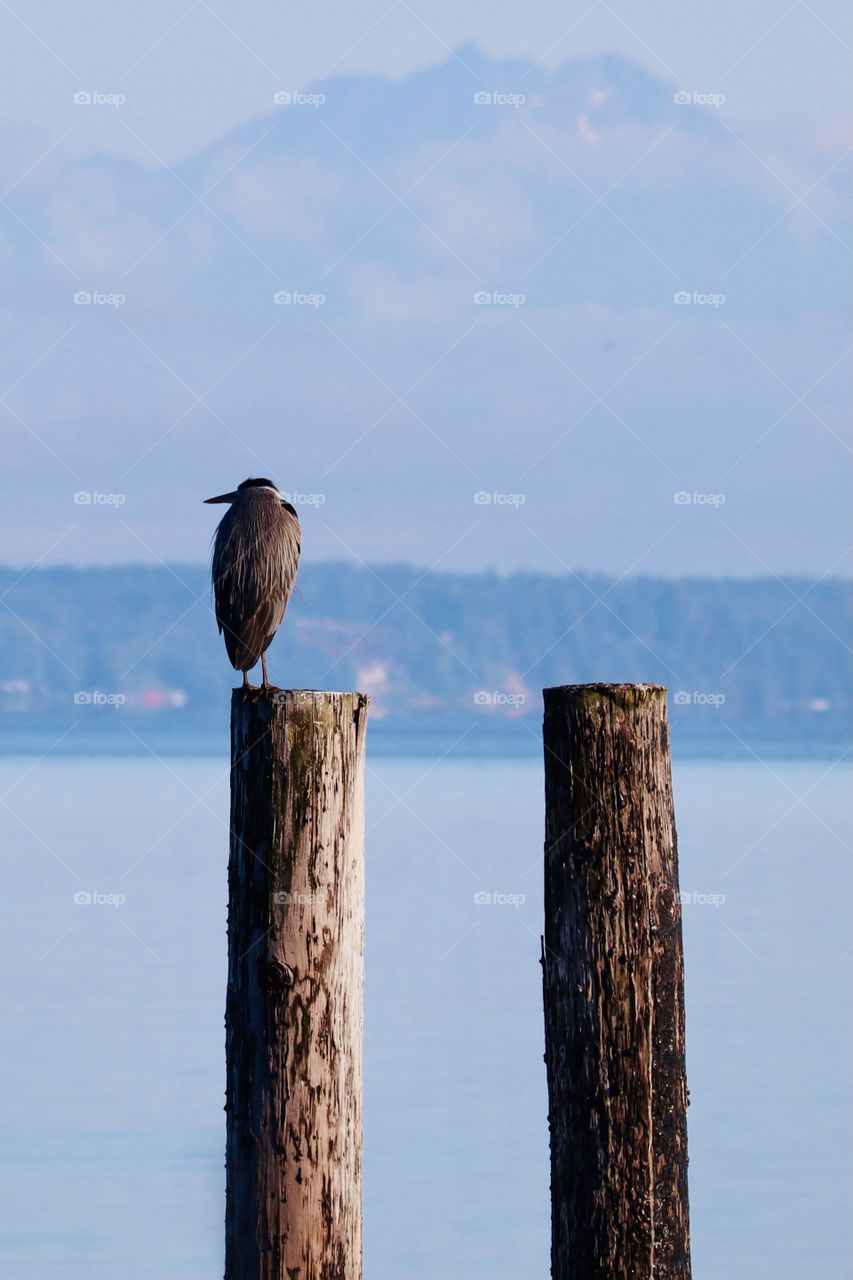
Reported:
(613, 986)
(294, 1009)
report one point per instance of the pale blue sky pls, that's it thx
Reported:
(601, 199)
(192, 71)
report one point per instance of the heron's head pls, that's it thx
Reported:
(240, 491)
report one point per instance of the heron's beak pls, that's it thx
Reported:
(224, 497)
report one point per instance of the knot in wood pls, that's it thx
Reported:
(275, 976)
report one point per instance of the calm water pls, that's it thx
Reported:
(112, 1067)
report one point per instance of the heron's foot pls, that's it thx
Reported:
(265, 683)
(246, 684)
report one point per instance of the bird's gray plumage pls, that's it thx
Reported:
(255, 557)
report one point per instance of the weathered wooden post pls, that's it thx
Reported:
(295, 975)
(613, 982)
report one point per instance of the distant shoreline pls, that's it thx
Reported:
(451, 741)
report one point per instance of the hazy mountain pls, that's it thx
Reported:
(579, 202)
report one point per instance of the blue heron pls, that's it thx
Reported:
(255, 556)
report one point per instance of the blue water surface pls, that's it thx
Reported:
(112, 1067)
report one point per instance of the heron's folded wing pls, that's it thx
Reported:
(249, 637)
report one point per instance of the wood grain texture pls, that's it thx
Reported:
(613, 985)
(294, 1012)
